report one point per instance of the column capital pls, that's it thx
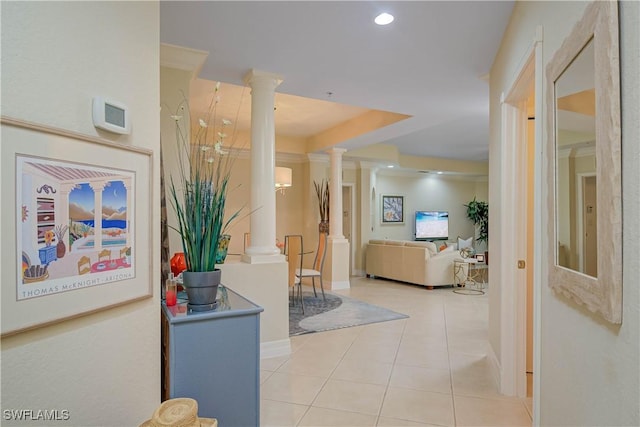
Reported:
(336, 150)
(98, 185)
(68, 187)
(258, 78)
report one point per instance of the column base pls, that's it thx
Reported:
(338, 263)
(263, 258)
(337, 285)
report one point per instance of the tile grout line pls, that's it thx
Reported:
(393, 365)
(446, 335)
(329, 376)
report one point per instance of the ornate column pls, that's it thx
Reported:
(263, 142)
(63, 203)
(338, 248)
(97, 187)
(335, 208)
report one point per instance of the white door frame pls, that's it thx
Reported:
(580, 217)
(513, 287)
(354, 231)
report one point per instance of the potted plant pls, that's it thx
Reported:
(60, 231)
(478, 213)
(322, 191)
(198, 197)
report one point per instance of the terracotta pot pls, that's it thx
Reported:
(61, 249)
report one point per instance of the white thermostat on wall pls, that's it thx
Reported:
(110, 115)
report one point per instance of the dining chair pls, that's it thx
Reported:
(293, 249)
(104, 255)
(84, 265)
(318, 265)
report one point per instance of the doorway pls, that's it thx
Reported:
(587, 231)
(530, 189)
(520, 204)
(348, 218)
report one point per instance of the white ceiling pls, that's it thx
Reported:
(430, 63)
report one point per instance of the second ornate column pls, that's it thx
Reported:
(263, 197)
(338, 247)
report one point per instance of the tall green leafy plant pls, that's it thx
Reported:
(199, 189)
(478, 213)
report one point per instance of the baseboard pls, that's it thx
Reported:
(278, 348)
(494, 366)
(337, 285)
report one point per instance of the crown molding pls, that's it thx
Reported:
(320, 158)
(182, 58)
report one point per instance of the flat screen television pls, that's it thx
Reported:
(432, 225)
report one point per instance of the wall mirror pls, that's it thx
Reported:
(584, 168)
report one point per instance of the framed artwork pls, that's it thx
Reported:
(480, 257)
(393, 209)
(78, 238)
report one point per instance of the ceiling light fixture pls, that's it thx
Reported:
(383, 19)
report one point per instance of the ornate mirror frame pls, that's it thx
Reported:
(601, 294)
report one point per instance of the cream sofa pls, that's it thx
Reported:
(409, 261)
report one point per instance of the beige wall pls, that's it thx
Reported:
(173, 84)
(103, 368)
(426, 193)
(421, 192)
(589, 370)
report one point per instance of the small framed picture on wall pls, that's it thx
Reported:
(480, 257)
(393, 209)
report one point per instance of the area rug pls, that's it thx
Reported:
(336, 312)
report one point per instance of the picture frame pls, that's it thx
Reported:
(480, 257)
(572, 272)
(392, 209)
(78, 239)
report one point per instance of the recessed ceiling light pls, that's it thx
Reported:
(383, 19)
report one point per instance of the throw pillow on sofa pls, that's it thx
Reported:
(465, 243)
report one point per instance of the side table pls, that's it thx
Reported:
(470, 272)
(214, 357)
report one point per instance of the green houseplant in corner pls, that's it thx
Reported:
(478, 213)
(198, 197)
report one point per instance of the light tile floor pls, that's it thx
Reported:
(430, 369)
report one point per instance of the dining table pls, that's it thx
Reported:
(113, 264)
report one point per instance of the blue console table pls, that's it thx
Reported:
(47, 254)
(214, 358)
